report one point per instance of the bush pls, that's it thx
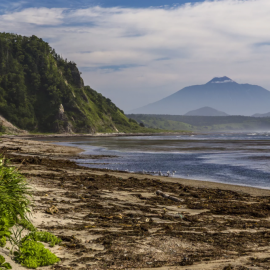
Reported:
(15, 195)
(45, 237)
(3, 264)
(132, 121)
(26, 224)
(3, 241)
(2, 128)
(33, 254)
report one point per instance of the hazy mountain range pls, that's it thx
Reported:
(206, 111)
(223, 94)
(261, 114)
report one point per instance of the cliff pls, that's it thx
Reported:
(42, 92)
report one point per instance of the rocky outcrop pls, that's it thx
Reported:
(62, 124)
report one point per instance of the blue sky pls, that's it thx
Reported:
(137, 52)
(87, 3)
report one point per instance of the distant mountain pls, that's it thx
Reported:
(223, 93)
(206, 111)
(261, 114)
(41, 91)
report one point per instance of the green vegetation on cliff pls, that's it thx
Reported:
(42, 92)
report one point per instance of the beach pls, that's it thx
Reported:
(118, 220)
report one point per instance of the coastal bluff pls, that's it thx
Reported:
(40, 91)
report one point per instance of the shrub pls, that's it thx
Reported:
(26, 224)
(3, 264)
(3, 241)
(15, 195)
(132, 121)
(45, 237)
(33, 254)
(2, 128)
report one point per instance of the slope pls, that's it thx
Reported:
(206, 111)
(261, 114)
(41, 91)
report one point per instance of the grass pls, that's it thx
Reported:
(15, 193)
(15, 209)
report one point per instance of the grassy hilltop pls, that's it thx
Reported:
(42, 92)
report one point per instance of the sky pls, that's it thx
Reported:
(137, 52)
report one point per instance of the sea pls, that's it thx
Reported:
(239, 159)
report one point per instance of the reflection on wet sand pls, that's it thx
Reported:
(232, 158)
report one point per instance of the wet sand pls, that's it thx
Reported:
(116, 220)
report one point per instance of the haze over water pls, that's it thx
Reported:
(241, 159)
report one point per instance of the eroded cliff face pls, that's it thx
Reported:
(62, 123)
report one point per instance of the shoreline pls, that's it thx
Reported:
(118, 220)
(257, 191)
(73, 135)
(254, 191)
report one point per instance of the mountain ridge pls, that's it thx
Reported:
(223, 79)
(229, 96)
(206, 111)
(261, 114)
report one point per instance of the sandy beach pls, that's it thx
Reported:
(118, 220)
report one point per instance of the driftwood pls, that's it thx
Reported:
(158, 192)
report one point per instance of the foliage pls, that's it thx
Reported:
(33, 254)
(26, 224)
(35, 81)
(2, 128)
(3, 241)
(3, 264)
(43, 237)
(15, 203)
(15, 195)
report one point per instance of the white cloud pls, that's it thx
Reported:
(136, 56)
(37, 16)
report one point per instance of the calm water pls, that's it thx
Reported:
(242, 159)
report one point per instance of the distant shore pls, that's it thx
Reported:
(77, 135)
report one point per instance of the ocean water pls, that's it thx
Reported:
(241, 159)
